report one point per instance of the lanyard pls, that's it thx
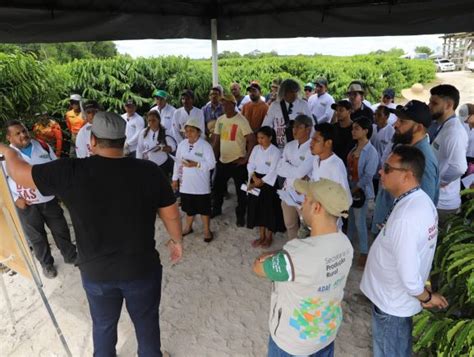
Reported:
(441, 127)
(398, 199)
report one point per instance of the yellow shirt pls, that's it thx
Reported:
(232, 133)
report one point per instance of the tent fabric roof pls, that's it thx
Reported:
(95, 20)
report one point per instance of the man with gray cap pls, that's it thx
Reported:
(309, 276)
(116, 247)
(387, 100)
(320, 102)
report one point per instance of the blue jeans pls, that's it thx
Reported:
(391, 335)
(142, 299)
(275, 351)
(358, 221)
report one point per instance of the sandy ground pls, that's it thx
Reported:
(212, 304)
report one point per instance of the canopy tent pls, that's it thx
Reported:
(95, 20)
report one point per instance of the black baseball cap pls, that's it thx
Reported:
(342, 103)
(414, 110)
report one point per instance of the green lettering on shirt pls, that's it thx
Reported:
(278, 267)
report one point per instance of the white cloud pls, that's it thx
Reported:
(343, 46)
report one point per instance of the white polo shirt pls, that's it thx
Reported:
(166, 115)
(450, 147)
(292, 164)
(83, 141)
(265, 162)
(194, 180)
(147, 142)
(400, 258)
(180, 118)
(38, 156)
(320, 106)
(135, 124)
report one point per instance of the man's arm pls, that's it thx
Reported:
(18, 169)
(172, 221)
(276, 266)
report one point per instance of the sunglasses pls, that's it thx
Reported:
(387, 168)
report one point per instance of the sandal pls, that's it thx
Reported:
(185, 233)
(209, 238)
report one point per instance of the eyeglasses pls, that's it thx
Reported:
(387, 168)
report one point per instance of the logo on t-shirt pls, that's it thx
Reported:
(317, 319)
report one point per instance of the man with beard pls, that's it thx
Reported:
(255, 110)
(411, 129)
(450, 145)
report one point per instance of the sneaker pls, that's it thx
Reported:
(49, 271)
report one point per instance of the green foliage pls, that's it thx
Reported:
(451, 332)
(64, 52)
(424, 49)
(29, 85)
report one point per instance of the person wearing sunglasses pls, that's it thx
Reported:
(411, 127)
(400, 259)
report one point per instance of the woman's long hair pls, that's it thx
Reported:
(268, 132)
(161, 139)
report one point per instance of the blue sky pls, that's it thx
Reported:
(343, 46)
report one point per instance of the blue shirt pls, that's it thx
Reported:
(429, 184)
(27, 150)
(211, 113)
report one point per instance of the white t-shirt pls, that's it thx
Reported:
(305, 311)
(194, 180)
(180, 119)
(392, 118)
(333, 169)
(135, 124)
(265, 162)
(83, 141)
(320, 107)
(382, 138)
(450, 147)
(146, 143)
(275, 119)
(38, 156)
(166, 115)
(400, 258)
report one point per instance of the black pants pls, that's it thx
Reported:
(223, 173)
(33, 219)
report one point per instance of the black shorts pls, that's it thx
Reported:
(196, 204)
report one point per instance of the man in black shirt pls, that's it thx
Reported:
(344, 142)
(355, 92)
(113, 201)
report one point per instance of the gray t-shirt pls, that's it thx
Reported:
(309, 278)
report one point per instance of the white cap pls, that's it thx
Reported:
(75, 97)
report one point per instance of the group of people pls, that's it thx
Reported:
(307, 165)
